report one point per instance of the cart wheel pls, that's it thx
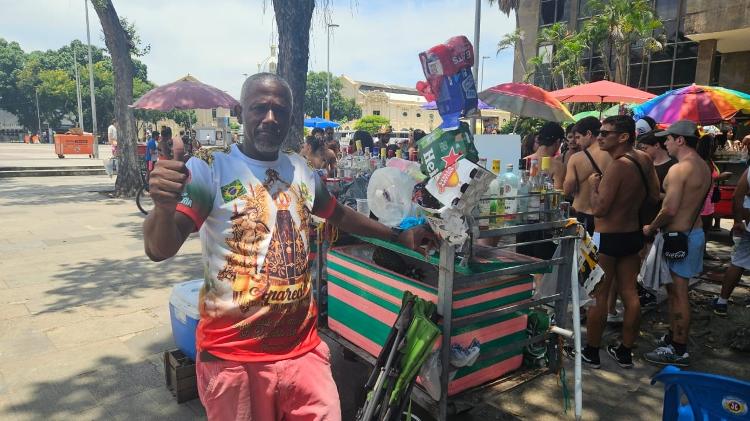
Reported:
(61, 156)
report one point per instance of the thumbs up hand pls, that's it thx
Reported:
(170, 174)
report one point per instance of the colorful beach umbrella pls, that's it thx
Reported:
(602, 91)
(187, 93)
(320, 123)
(525, 100)
(702, 104)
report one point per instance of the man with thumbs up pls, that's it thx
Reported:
(259, 356)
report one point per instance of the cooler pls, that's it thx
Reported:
(183, 312)
(364, 300)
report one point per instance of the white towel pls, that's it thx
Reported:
(655, 270)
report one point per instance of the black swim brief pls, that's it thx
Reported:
(620, 244)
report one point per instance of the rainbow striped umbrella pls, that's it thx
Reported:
(704, 105)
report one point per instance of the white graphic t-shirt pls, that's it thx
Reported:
(254, 221)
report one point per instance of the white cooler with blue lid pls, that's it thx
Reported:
(183, 311)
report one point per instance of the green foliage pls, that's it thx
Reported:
(51, 74)
(371, 123)
(525, 126)
(342, 109)
(234, 126)
(615, 27)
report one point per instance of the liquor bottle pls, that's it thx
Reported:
(488, 204)
(497, 204)
(523, 192)
(535, 189)
(510, 191)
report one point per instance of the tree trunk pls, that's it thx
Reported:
(519, 45)
(128, 171)
(293, 19)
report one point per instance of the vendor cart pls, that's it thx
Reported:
(74, 144)
(481, 292)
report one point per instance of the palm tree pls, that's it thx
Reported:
(516, 37)
(615, 26)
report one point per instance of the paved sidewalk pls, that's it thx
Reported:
(43, 155)
(84, 321)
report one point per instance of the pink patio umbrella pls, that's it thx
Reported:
(186, 93)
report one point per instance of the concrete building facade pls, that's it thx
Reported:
(401, 105)
(708, 42)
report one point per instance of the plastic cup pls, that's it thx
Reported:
(362, 207)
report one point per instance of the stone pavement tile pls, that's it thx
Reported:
(49, 399)
(197, 408)
(64, 365)
(3, 285)
(110, 383)
(161, 312)
(11, 311)
(24, 294)
(73, 241)
(44, 321)
(23, 343)
(150, 404)
(150, 342)
(96, 329)
(142, 300)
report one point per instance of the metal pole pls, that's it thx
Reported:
(481, 73)
(78, 90)
(91, 82)
(445, 309)
(38, 120)
(477, 25)
(577, 386)
(322, 113)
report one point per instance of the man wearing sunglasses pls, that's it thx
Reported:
(686, 185)
(617, 197)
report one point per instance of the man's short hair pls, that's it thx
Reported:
(317, 130)
(588, 124)
(262, 77)
(418, 134)
(649, 138)
(166, 132)
(550, 133)
(622, 124)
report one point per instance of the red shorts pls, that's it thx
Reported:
(297, 389)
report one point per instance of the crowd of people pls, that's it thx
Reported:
(635, 187)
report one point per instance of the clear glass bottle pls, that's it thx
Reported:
(535, 189)
(523, 192)
(510, 191)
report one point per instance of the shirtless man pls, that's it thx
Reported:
(581, 166)
(686, 187)
(551, 135)
(616, 199)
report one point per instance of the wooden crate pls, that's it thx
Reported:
(179, 375)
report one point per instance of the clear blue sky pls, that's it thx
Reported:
(219, 40)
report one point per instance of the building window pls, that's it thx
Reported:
(405, 114)
(213, 112)
(375, 112)
(552, 11)
(419, 115)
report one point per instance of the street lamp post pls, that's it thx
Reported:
(328, 70)
(481, 73)
(91, 83)
(38, 120)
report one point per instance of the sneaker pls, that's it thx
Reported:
(720, 309)
(590, 358)
(647, 300)
(664, 340)
(623, 359)
(665, 355)
(614, 318)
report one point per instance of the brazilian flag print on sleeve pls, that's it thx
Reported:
(198, 197)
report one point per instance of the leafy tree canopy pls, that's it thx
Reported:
(371, 123)
(342, 109)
